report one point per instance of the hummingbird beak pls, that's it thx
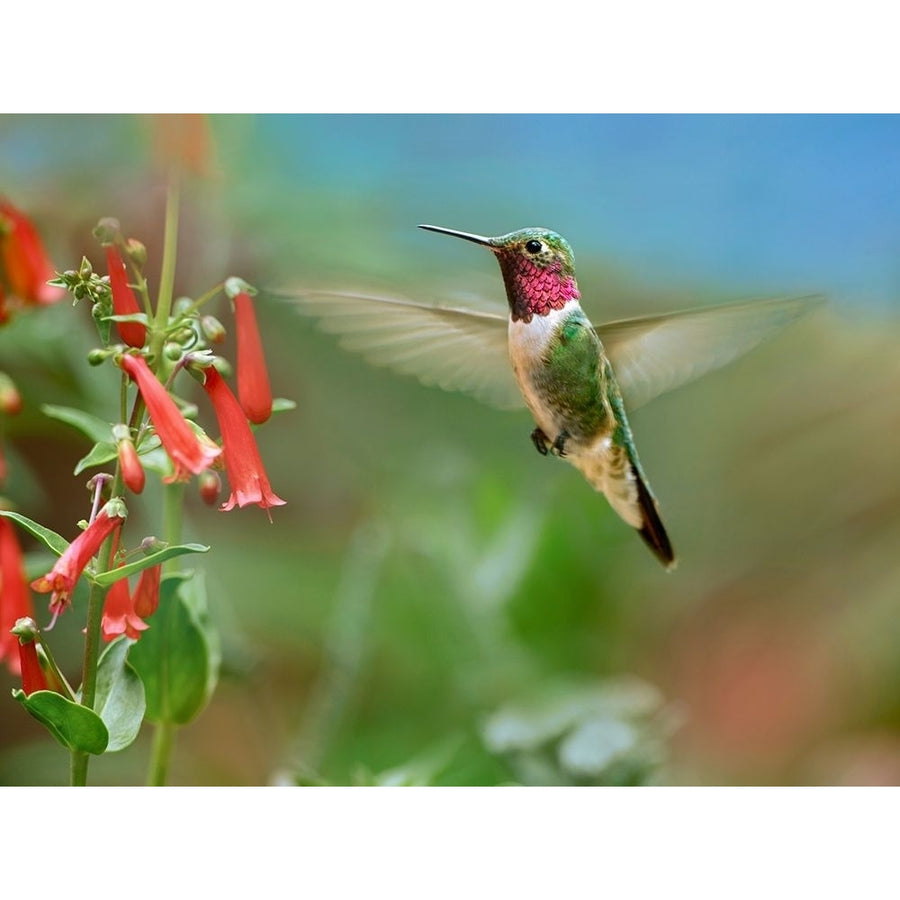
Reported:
(474, 238)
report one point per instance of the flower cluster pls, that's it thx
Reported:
(60, 581)
(153, 350)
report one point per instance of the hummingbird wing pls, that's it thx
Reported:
(456, 349)
(654, 354)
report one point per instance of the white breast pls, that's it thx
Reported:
(527, 345)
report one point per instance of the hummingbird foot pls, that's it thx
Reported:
(541, 441)
(559, 445)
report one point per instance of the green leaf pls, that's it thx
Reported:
(175, 657)
(99, 454)
(74, 726)
(131, 317)
(193, 592)
(120, 700)
(104, 579)
(50, 539)
(92, 426)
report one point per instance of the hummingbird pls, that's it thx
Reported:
(577, 380)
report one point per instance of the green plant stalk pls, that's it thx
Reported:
(164, 732)
(79, 767)
(163, 741)
(173, 494)
(204, 299)
(92, 642)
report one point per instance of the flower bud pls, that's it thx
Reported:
(97, 356)
(130, 464)
(85, 270)
(234, 286)
(213, 329)
(136, 252)
(151, 544)
(107, 230)
(210, 486)
(25, 629)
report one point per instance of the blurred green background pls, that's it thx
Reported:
(437, 603)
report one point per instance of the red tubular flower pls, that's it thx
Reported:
(124, 302)
(130, 465)
(119, 614)
(254, 389)
(33, 678)
(23, 260)
(15, 599)
(243, 465)
(187, 452)
(62, 577)
(145, 599)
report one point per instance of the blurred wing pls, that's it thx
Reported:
(654, 354)
(455, 349)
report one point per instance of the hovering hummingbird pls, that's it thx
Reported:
(576, 379)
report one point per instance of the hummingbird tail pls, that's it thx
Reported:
(652, 529)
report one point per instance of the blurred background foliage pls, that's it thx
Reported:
(437, 603)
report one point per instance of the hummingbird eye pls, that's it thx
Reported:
(534, 246)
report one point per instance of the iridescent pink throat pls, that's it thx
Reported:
(533, 290)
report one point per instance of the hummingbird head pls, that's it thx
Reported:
(537, 265)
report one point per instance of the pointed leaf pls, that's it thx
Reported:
(173, 658)
(50, 539)
(74, 726)
(92, 426)
(98, 455)
(120, 696)
(104, 579)
(280, 404)
(131, 317)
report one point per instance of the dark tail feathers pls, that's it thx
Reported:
(653, 531)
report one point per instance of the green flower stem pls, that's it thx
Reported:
(164, 732)
(173, 494)
(78, 769)
(173, 514)
(92, 641)
(89, 684)
(167, 272)
(163, 740)
(204, 299)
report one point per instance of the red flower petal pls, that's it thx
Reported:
(62, 577)
(124, 302)
(119, 616)
(23, 260)
(187, 452)
(33, 678)
(254, 389)
(243, 465)
(15, 598)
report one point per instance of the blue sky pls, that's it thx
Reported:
(760, 203)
